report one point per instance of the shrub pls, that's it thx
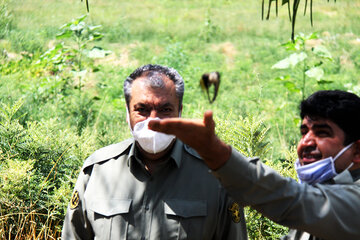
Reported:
(249, 136)
(39, 163)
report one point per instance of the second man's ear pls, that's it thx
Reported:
(356, 158)
(180, 110)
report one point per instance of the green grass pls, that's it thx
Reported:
(194, 37)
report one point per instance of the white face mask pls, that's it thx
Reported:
(149, 140)
(319, 171)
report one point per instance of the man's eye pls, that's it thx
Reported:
(140, 109)
(303, 132)
(322, 133)
(166, 110)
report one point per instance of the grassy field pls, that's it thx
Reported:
(59, 104)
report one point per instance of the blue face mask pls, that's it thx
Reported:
(319, 171)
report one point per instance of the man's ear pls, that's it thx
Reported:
(180, 110)
(127, 114)
(356, 158)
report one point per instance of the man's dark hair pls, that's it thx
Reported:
(155, 74)
(343, 108)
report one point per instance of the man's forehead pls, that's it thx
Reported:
(314, 119)
(310, 122)
(143, 93)
(157, 80)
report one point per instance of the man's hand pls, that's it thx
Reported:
(198, 134)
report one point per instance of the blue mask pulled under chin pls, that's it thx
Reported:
(319, 171)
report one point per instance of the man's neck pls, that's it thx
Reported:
(152, 165)
(152, 161)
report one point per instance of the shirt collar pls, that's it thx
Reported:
(177, 152)
(356, 175)
(343, 177)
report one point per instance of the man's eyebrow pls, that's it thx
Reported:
(140, 105)
(316, 126)
(323, 125)
(166, 105)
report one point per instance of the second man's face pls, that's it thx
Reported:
(322, 138)
(151, 102)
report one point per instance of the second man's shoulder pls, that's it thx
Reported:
(108, 152)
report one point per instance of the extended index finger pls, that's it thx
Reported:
(175, 126)
(208, 120)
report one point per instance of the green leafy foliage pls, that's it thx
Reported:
(311, 60)
(210, 31)
(249, 135)
(262, 228)
(62, 56)
(82, 34)
(39, 163)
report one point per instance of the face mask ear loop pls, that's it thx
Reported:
(339, 154)
(342, 151)
(128, 120)
(350, 165)
(154, 144)
(127, 115)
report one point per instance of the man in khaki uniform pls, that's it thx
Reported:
(151, 186)
(325, 205)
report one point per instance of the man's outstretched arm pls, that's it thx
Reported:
(198, 134)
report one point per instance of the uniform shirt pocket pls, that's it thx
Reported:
(110, 207)
(185, 218)
(110, 217)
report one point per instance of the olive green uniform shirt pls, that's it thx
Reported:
(322, 211)
(116, 198)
